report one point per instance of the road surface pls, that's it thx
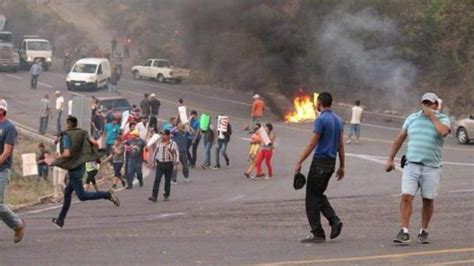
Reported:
(222, 218)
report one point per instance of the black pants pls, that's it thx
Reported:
(316, 202)
(165, 169)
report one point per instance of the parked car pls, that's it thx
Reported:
(161, 70)
(464, 130)
(89, 73)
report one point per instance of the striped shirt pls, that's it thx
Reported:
(165, 153)
(424, 143)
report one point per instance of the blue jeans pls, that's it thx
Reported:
(165, 169)
(132, 169)
(221, 145)
(43, 171)
(34, 81)
(6, 214)
(207, 154)
(194, 147)
(354, 130)
(183, 159)
(43, 125)
(75, 185)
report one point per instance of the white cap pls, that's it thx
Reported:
(256, 96)
(431, 97)
(152, 95)
(4, 105)
(57, 92)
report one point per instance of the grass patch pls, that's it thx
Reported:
(22, 189)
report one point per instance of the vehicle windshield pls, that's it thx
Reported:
(38, 46)
(5, 38)
(84, 68)
(116, 104)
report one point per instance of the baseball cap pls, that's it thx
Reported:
(4, 105)
(256, 96)
(299, 181)
(166, 132)
(135, 133)
(429, 96)
(152, 95)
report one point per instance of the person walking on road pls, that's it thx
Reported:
(194, 138)
(154, 105)
(113, 82)
(356, 119)
(166, 156)
(266, 153)
(223, 139)
(8, 136)
(181, 140)
(35, 72)
(45, 111)
(145, 105)
(135, 148)
(127, 42)
(77, 148)
(327, 141)
(254, 149)
(118, 159)
(42, 165)
(258, 107)
(114, 43)
(59, 110)
(425, 130)
(209, 139)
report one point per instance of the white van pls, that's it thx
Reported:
(89, 73)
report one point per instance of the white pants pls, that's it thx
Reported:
(58, 182)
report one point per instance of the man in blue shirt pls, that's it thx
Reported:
(327, 142)
(35, 71)
(7, 142)
(111, 132)
(425, 130)
(194, 138)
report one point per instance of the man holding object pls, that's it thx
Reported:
(327, 142)
(426, 130)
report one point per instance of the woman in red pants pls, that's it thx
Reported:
(265, 153)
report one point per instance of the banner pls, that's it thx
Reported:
(204, 122)
(222, 122)
(264, 136)
(29, 164)
(183, 116)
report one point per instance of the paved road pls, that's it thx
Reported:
(222, 218)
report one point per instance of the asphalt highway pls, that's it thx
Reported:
(222, 218)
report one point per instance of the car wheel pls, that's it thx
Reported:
(178, 81)
(68, 87)
(160, 78)
(136, 75)
(462, 136)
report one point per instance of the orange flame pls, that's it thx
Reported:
(304, 109)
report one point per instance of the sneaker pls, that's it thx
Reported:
(228, 165)
(113, 198)
(57, 223)
(423, 237)
(313, 239)
(167, 198)
(174, 182)
(187, 179)
(336, 229)
(153, 198)
(402, 238)
(19, 232)
(246, 175)
(216, 167)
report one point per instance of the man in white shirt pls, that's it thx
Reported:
(356, 118)
(59, 110)
(142, 128)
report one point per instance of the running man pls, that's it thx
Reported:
(8, 136)
(327, 142)
(426, 130)
(73, 142)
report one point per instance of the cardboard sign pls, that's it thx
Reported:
(264, 136)
(125, 116)
(204, 122)
(29, 164)
(183, 116)
(222, 122)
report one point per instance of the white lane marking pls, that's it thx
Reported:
(171, 214)
(45, 85)
(77, 201)
(246, 139)
(461, 190)
(382, 127)
(382, 157)
(368, 158)
(236, 198)
(15, 76)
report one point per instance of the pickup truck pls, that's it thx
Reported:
(161, 70)
(9, 58)
(32, 49)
